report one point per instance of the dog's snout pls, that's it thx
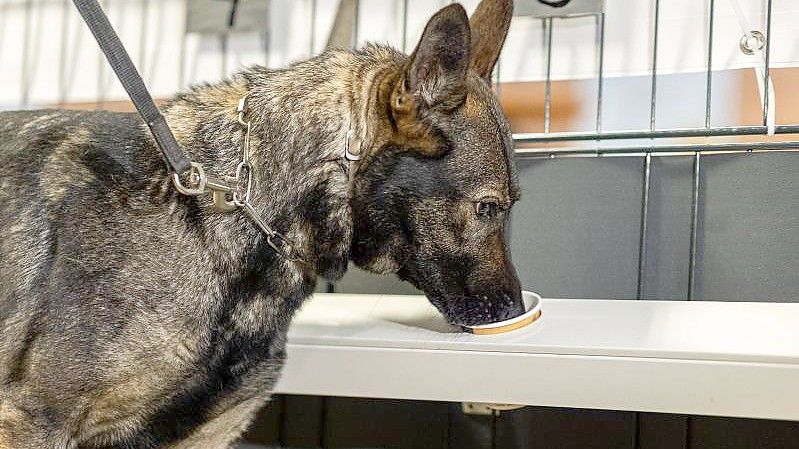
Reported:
(473, 310)
(512, 307)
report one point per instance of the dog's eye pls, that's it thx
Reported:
(486, 208)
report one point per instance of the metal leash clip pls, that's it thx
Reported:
(196, 179)
(199, 184)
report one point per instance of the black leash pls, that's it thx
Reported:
(120, 61)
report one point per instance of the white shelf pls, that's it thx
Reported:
(708, 358)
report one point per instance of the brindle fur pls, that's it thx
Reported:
(135, 317)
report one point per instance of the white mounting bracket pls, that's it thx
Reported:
(483, 408)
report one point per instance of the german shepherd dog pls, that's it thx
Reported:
(137, 317)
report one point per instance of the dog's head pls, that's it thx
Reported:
(431, 204)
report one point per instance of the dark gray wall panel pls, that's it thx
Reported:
(359, 281)
(748, 246)
(556, 428)
(730, 433)
(390, 424)
(303, 421)
(575, 232)
(265, 429)
(662, 431)
(669, 227)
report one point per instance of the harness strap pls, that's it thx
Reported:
(120, 61)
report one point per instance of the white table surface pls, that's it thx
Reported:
(714, 358)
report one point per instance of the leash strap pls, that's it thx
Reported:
(120, 61)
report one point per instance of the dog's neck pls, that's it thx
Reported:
(301, 117)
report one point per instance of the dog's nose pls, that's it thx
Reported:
(511, 308)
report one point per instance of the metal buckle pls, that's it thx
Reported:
(197, 180)
(348, 155)
(237, 199)
(241, 109)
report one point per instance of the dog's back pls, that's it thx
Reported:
(52, 165)
(79, 208)
(56, 168)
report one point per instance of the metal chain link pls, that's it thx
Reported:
(240, 190)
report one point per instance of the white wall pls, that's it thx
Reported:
(47, 56)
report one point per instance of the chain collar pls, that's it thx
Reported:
(234, 192)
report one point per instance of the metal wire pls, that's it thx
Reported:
(709, 82)
(548, 96)
(659, 150)
(642, 246)
(653, 99)
(766, 71)
(657, 134)
(600, 70)
(694, 222)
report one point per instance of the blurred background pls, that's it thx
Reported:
(656, 147)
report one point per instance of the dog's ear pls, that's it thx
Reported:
(489, 25)
(435, 75)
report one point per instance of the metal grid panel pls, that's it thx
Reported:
(534, 145)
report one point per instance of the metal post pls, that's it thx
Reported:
(648, 134)
(642, 246)
(767, 71)
(694, 222)
(548, 97)
(708, 90)
(601, 77)
(659, 150)
(653, 99)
